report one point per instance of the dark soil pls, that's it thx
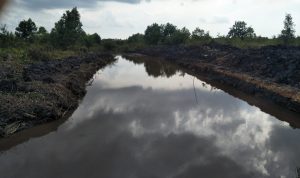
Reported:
(44, 91)
(272, 72)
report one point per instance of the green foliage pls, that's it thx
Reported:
(168, 31)
(68, 30)
(6, 37)
(92, 40)
(166, 34)
(240, 30)
(136, 38)
(95, 38)
(38, 54)
(248, 42)
(26, 29)
(288, 32)
(42, 35)
(68, 38)
(180, 36)
(153, 34)
(109, 45)
(199, 34)
(42, 31)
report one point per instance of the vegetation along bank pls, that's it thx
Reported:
(43, 75)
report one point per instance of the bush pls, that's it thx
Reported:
(109, 45)
(38, 54)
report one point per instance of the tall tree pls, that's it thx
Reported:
(153, 34)
(240, 30)
(168, 30)
(26, 29)
(288, 31)
(68, 30)
(42, 31)
(199, 34)
(180, 36)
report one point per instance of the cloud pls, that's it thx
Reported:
(58, 4)
(132, 131)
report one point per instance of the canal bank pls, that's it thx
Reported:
(270, 73)
(45, 91)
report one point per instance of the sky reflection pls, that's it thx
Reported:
(131, 124)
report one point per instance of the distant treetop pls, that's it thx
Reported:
(26, 29)
(240, 30)
(288, 31)
(68, 30)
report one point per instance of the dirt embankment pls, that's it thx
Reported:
(270, 72)
(44, 91)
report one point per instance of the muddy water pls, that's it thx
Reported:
(144, 119)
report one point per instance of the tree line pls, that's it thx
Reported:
(169, 34)
(67, 32)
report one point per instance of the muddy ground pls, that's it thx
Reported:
(44, 91)
(272, 72)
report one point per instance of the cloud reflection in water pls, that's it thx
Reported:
(133, 125)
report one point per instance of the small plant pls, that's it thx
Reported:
(38, 54)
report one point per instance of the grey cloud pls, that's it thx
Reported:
(58, 4)
(220, 20)
(215, 20)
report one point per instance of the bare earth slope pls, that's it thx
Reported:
(44, 91)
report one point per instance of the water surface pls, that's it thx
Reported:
(147, 119)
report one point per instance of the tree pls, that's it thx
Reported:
(180, 36)
(240, 30)
(198, 34)
(42, 35)
(288, 31)
(26, 29)
(91, 40)
(42, 31)
(153, 34)
(136, 38)
(68, 30)
(169, 29)
(6, 37)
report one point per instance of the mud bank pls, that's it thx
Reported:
(271, 73)
(45, 91)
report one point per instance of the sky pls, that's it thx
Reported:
(122, 18)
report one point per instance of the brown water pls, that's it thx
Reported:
(150, 120)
